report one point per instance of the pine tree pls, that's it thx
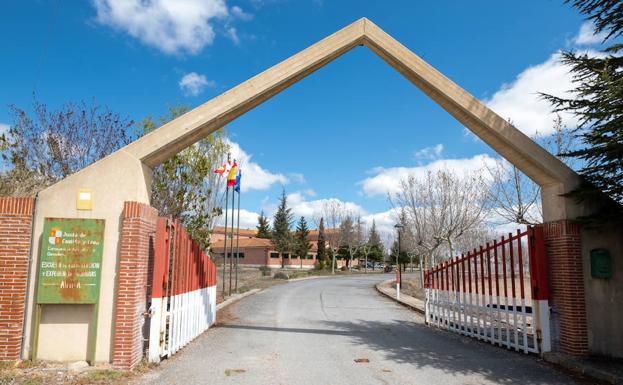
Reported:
(263, 227)
(375, 253)
(302, 245)
(598, 104)
(322, 245)
(282, 239)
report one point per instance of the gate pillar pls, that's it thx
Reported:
(136, 248)
(567, 294)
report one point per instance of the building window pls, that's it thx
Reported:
(240, 255)
(274, 255)
(294, 256)
(309, 256)
(286, 255)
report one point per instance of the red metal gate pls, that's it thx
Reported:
(183, 303)
(496, 293)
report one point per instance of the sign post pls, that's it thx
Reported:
(70, 269)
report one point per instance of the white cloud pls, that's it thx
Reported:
(4, 129)
(520, 100)
(297, 177)
(387, 180)
(172, 26)
(254, 177)
(587, 36)
(239, 13)
(192, 84)
(429, 153)
(248, 219)
(232, 34)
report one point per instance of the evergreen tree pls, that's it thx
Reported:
(263, 227)
(598, 103)
(302, 245)
(282, 239)
(375, 253)
(322, 243)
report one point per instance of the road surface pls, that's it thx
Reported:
(312, 331)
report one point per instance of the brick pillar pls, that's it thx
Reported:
(136, 246)
(15, 239)
(566, 277)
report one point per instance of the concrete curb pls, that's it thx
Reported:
(236, 298)
(405, 300)
(577, 366)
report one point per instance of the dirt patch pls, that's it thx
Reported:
(43, 372)
(413, 288)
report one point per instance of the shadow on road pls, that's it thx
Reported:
(423, 347)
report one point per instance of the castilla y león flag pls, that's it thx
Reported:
(221, 170)
(231, 177)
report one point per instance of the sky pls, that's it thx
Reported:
(348, 132)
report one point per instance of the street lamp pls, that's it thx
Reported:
(398, 228)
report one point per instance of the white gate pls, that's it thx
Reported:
(496, 293)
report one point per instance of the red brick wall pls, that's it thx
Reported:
(136, 247)
(15, 239)
(564, 254)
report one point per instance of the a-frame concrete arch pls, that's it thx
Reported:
(508, 141)
(126, 174)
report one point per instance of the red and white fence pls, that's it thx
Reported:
(496, 293)
(183, 303)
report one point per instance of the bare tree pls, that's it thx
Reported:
(333, 212)
(516, 198)
(46, 145)
(440, 209)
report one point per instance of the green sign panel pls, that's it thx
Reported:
(71, 261)
(601, 264)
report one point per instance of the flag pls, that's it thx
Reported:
(231, 177)
(237, 186)
(221, 170)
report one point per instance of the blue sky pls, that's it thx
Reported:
(347, 132)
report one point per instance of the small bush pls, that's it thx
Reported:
(388, 268)
(266, 271)
(343, 268)
(281, 275)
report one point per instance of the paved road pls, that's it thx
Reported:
(311, 332)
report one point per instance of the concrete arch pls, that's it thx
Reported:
(126, 174)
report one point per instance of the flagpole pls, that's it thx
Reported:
(238, 232)
(231, 259)
(225, 240)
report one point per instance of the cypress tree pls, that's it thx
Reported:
(598, 103)
(282, 239)
(322, 243)
(263, 227)
(301, 240)
(376, 246)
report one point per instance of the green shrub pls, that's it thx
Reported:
(266, 271)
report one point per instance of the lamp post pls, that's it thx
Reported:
(398, 228)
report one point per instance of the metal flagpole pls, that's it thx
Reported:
(238, 234)
(225, 240)
(231, 259)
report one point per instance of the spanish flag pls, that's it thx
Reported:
(231, 177)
